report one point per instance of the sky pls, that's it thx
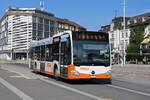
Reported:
(91, 14)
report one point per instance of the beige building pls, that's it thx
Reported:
(65, 24)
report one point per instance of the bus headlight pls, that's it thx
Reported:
(74, 72)
(108, 72)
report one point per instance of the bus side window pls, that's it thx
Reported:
(33, 54)
(65, 54)
(68, 53)
(37, 53)
(62, 53)
(42, 53)
(55, 53)
(49, 53)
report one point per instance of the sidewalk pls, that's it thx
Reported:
(132, 65)
(22, 62)
(133, 69)
(132, 72)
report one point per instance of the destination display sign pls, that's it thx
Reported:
(90, 36)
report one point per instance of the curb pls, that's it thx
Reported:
(132, 73)
(132, 65)
(22, 62)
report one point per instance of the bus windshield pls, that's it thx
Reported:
(92, 53)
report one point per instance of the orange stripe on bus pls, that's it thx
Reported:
(50, 73)
(84, 68)
(58, 75)
(70, 67)
(37, 70)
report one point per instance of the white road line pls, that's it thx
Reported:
(130, 90)
(15, 90)
(73, 90)
(15, 76)
(26, 77)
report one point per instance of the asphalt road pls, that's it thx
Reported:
(17, 82)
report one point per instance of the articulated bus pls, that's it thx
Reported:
(73, 55)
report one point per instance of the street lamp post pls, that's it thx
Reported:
(124, 31)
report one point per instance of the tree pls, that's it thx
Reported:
(132, 48)
(136, 37)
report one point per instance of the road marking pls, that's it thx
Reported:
(73, 90)
(130, 90)
(26, 77)
(15, 76)
(15, 90)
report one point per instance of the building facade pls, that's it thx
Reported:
(145, 45)
(65, 24)
(21, 26)
(117, 40)
(116, 32)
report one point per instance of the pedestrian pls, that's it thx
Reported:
(144, 60)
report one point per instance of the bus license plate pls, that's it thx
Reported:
(93, 76)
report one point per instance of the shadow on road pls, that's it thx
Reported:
(86, 81)
(77, 81)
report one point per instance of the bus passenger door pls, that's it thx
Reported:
(63, 65)
(42, 58)
(42, 67)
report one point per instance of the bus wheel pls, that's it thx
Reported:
(56, 73)
(108, 81)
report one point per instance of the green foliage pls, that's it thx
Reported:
(136, 37)
(132, 48)
(134, 56)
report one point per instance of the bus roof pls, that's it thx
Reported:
(47, 40)
(41, 42)
(62, 34)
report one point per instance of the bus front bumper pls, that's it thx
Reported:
(88, 76)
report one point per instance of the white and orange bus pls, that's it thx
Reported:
(73, 55)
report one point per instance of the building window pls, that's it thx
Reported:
(148, 46)
(40, 27)
(112, 35)
(46, 21)
(34, 25)
(59, 25)
(46, 34)
(40, 20)
(122, 35)
(127, 34)
(51, 23)
(46, 28)
(34, 19)
(34, 35)
(40, 35)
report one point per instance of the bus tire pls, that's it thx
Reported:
(108, 81)
(56, 73)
